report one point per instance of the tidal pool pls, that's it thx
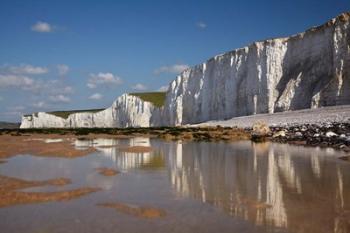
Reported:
(186, 187)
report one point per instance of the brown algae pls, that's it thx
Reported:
(137, 211)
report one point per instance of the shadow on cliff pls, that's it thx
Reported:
(307, 69)
(314, 73)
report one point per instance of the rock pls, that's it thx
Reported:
(260, 131)
(330, 134)
(316, 135)
(298, 135)
(280, 133)
(261, 128)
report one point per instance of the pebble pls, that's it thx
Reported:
(303, 129)
(330, 134)
(336, 135)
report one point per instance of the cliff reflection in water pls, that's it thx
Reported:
(275, 185)
(301, 189)
(110, 148)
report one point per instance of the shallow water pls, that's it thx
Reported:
(201, 186)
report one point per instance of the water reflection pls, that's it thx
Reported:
(301, 189)
(126, 160)
(272, 187)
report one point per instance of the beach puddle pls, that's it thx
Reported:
(137, 211)
(171, 186)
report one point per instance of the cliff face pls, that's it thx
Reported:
(131, 111)
(126, 111)
(308, 70)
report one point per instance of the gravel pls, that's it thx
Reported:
(319, 116)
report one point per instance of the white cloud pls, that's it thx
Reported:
(163, 88)
(24, 82)
(56, 87)
(96, 96)
(201, 25)
(65, 90)
(24, 69)
(105, 79)
(42, 27)
(62, 69)
(40, 104)
(175, 69)
(11, 80)
(139, 87)
(59, 99)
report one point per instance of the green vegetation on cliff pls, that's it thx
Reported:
(65, 114)
(156, 98)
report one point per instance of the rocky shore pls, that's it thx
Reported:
(335, 135)
(331, 135)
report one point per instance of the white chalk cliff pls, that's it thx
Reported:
(126, 111)
(307, 70)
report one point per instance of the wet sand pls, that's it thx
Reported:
(136, 149)
(36, 145)
(10, 196)
(107, 171)
(345, 158)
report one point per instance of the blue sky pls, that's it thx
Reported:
(58, 55)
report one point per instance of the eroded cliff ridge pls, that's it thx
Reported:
(307, 70)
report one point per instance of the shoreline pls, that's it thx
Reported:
(327, 135)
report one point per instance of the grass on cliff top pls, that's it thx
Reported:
(65, 114)
(156, 98)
